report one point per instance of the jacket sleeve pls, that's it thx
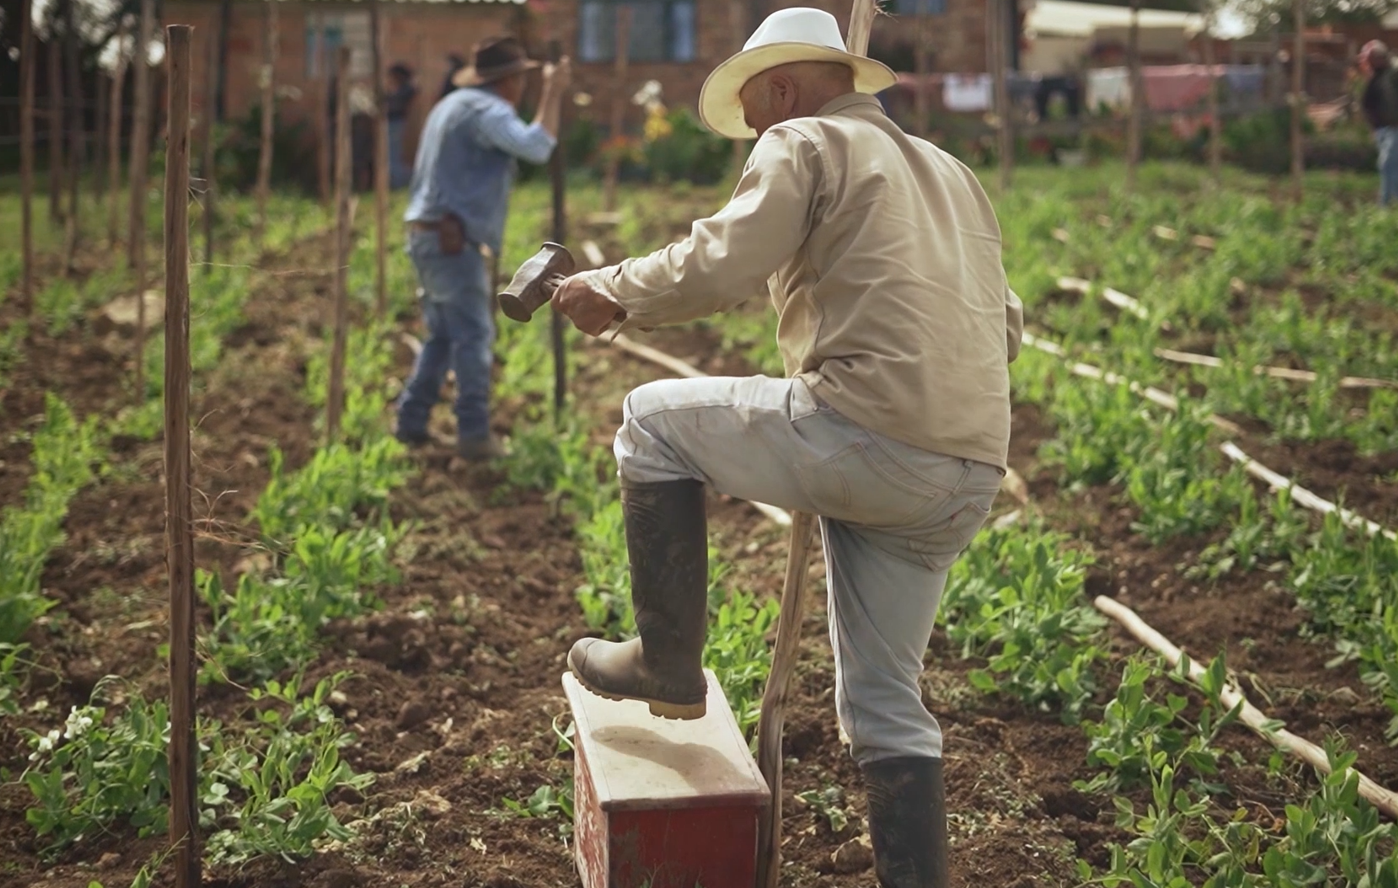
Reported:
(729, 256)
(1014, 323)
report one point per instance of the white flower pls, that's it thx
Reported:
(78, 723)
(45, 744)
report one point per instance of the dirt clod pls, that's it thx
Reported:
(854, 856)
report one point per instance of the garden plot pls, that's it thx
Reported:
(436, 653)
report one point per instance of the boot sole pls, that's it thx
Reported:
(658, 708)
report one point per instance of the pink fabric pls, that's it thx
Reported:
(1177, 87)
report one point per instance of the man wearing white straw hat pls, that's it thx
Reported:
(881, 254)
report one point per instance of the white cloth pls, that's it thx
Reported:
(967, 92)
(1108, 86)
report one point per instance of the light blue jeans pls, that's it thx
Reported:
(456, 311)
(398, 172)
(1387, 140)
(893, 519)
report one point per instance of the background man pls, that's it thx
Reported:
(882, 257)
(397, 102)
(460, 187)
(1380, 104)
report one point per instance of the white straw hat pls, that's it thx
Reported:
(791, 35)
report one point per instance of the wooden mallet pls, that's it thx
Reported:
(769, 726)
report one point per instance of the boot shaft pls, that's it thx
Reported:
(908, 821)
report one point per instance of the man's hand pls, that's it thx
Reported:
(559, 74)
(590, 311)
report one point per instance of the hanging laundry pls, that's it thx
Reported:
(966, 92)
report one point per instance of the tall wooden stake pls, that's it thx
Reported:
(55, 72)
(619, 100)
(114, 139)
(140, 162)
(335, 401)
(1138, 98)
(381, 154)
(1215, 125)
(209, 124)
(99, 144)
(737, 20)
(179, 514)
(920, 66)
(557, 173)
(269, 110)
(1298, 100)
(1000, 9)
(76, 123)
(320, 96)
(793, 609)
(26, 149)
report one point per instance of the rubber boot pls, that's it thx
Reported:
(908, 821)
(667, 538)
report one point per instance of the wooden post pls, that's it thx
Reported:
(320, 95)
(381, 171)
(335, 400)
(269, 110)
(557, 173)
(209, 123)
(1215, 124)
(26, 149)
(55, 70)
(999, 36)
(114, 139)
(76, 122)
(99, 145)
(920, 66)
(619, 100)
(1298, 100)
(737, 20)
(179, 515)
(1133, 67)
(140, 161)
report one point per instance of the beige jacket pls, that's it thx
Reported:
(882, 257)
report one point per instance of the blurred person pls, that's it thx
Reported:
(454, 65)
(398, 101)
(882, 257)
(461, 182)
(1380, 104)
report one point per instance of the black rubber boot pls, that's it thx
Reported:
(668, 542)
(908, 821)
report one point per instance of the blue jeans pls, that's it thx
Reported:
(398, 172)
(456, 310)
(1387, 140)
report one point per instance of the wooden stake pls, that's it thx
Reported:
(208, 168)
(55, 131)
(76, 123)
(920, 66)
(140, 162)
(1138, 98)
(769, 730)
(269, 111)
(335, 401)
(179, 515)
(793, 610)
(381, 171)
(114, 138)
(557, 174)
(1298, 99)
(26, 150)
(1000, 9)
(320, 95)
(737, 20)
(619, 99)
(99, 145)
(1231, 696)
(1215, 124)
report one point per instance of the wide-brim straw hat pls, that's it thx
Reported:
(791, 35)
(495, 58)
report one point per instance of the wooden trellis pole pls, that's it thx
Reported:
(269, 110)
(1215, 125)
(1138, 98)
(55, 72)
(140, 161)
(737, 20)
(320, 95)
(557, 175)
(26, 150)
(179, 513)
(114, 138)
(1000, 29)
(921, 64)
(335, 400)
(75, 123)
(378, 38)
(209, 123)
(619, 100)
(99, 144)
(1298, 99)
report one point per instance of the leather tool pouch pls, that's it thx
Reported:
(451, 235)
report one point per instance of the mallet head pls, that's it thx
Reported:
(533, 285)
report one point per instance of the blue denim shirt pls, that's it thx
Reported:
(466, 162)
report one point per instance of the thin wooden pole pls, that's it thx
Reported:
(76, 122)
(619, 99)
(381, 154)
(140, 162)
(737, 21)
(99, 144)
(1298, 100)
(269, 110)
(55, 70)
(335, 401)
(1001, 26)
(1215, 124)
(26, 149)
(557, 175)
(114, 138)
(179, 515)
(320, 95)
(921, 64)
(209, 121)
(1134, 122)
